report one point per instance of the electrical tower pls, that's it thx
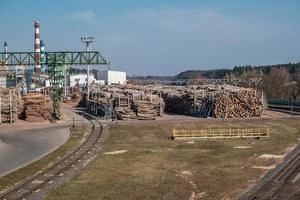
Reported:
(56, 61)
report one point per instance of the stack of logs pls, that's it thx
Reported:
(203, 101)
(38, 107)
(238, 105)
(127, 103)
(214, 101)
(11, 104)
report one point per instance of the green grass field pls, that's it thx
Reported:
(21, 174)
(157, 168)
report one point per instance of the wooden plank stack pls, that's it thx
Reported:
(38, 107)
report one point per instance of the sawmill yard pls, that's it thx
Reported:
(138, 161)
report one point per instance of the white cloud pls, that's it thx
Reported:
(82, 15)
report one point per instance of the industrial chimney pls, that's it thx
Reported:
(5, 51)
(37, 46)
(5, 47)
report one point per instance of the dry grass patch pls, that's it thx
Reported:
(157, 168)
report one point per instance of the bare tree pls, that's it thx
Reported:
(274, 83)
(293, 89)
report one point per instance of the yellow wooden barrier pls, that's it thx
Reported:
(222, 133)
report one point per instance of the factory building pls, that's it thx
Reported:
(112, 77)
(80, 79)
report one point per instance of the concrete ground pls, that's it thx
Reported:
(23, 144)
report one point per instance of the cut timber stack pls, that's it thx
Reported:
(197, 100)
(77, 97)
(178, 103)
(11, 104)
(128, 103)
(237, 105)
(37, 107)
(214, 101)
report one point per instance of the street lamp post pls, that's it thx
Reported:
(88, 41)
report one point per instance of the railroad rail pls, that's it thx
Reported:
(282, 110)
(282, 177)
(36, 183)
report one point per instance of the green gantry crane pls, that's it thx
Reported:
(56, 61)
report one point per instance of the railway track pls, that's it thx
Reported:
(46, 177)
(273, 185)
(283, 110)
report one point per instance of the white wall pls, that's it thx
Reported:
(3, 82)
(80, 79)
(112, 77)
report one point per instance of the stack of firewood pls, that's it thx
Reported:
(11, 104)
(37, 107)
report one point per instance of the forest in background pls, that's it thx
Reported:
(280, 81)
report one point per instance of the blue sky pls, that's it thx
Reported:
(161, 37)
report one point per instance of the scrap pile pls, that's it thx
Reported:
(37, 107)
(11, 104)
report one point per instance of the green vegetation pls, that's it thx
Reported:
(157, 168)
(21, 174)
(236, 71)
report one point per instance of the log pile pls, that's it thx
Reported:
(11, 104)
(238, 105)
(37, 107)
(214, 101)
(127, 103)
(202, 101)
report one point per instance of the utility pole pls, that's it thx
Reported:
(88, 41)
(10, 108)
(65, 82)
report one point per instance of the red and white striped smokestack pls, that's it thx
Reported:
(37, 46)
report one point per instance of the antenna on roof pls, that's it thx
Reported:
(108, 66)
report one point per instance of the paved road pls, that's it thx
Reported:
(21, 147)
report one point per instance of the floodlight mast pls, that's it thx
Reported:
(88, 41)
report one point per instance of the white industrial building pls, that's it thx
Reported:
(112, 77)
(80, 79)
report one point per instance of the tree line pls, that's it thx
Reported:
(237, 71)
(280, 81)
